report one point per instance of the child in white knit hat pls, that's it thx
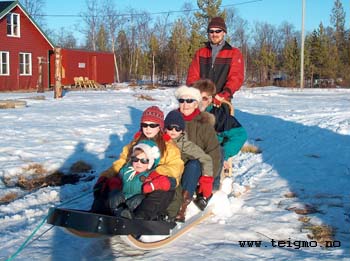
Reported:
(125, 190)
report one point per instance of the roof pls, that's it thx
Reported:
(7, 6)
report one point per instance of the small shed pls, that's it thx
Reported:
(97, 66)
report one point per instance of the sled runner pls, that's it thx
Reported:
(177, 232)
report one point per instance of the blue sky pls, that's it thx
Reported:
(271, 11)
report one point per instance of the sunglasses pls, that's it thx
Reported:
(215, 31)
(136, 159)
(176, 127)
(205, 98)
(152, 125)
(186, 100)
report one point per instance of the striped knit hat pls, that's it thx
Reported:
(153, 114)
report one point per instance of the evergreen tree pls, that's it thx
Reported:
(208, 10)
(291, 59)
(178, 47)
(102, 39)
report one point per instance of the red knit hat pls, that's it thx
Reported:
(217, 22)
(153, 114)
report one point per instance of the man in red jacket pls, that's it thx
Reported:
(219, 62)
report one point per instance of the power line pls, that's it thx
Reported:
(155, 13)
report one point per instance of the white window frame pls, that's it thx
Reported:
(6, 63)
(25, 63)
(15, 31)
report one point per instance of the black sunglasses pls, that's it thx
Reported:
(215, 31)
(136, 159)
(152, 125)
(186, 100)
(173, 126)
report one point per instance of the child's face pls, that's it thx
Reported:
(137, 164)
(206, 100)
(151, 129)
(172, 132)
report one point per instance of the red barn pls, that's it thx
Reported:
(23, 45)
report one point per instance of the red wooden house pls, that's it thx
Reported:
(23, 45)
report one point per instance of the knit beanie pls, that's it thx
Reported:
(153, 114)
(188, 91)
(175, 118)
(217, 22)
(149, 147)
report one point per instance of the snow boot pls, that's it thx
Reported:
(185, 202)
(201, 202)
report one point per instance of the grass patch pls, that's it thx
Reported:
(80, 167)
(249, 148)
(144, 97)
(290, 195)
(323, 234)
(9, 197)
(307, 209)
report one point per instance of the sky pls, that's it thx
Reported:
(304, 166)
(271, 11)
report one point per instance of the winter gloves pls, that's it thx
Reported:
(206, 186)
(104, 185)
(224, 95)
(156, 181)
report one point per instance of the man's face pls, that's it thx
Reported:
(216, 35)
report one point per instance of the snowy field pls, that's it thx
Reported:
(304, 168)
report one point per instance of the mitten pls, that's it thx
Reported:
(206, 186)
(152, 176)
(114, 183)
(158, 183)
(101, 187)
(224, 95)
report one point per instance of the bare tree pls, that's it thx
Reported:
(113, 23)
(91, 19)
(35, 10)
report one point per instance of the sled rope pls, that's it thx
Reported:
(25, 243)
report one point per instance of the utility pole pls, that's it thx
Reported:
(302, 47)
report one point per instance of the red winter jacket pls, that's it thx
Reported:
(227, 72)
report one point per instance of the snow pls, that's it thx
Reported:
(304, 136)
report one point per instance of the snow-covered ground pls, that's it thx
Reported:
(305, 141)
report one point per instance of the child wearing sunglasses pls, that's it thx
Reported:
(132, 176)
(159, 187)
(175, 128)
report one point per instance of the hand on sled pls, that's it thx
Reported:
(220, 97)
(156, 181)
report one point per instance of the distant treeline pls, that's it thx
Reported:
(154, 47)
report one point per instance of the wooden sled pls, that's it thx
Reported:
(91, 225)
(177, 232)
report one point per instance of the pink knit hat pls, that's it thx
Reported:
(153, 114)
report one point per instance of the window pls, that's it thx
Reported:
(25, 63)
(13, 25)
(4, 63)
